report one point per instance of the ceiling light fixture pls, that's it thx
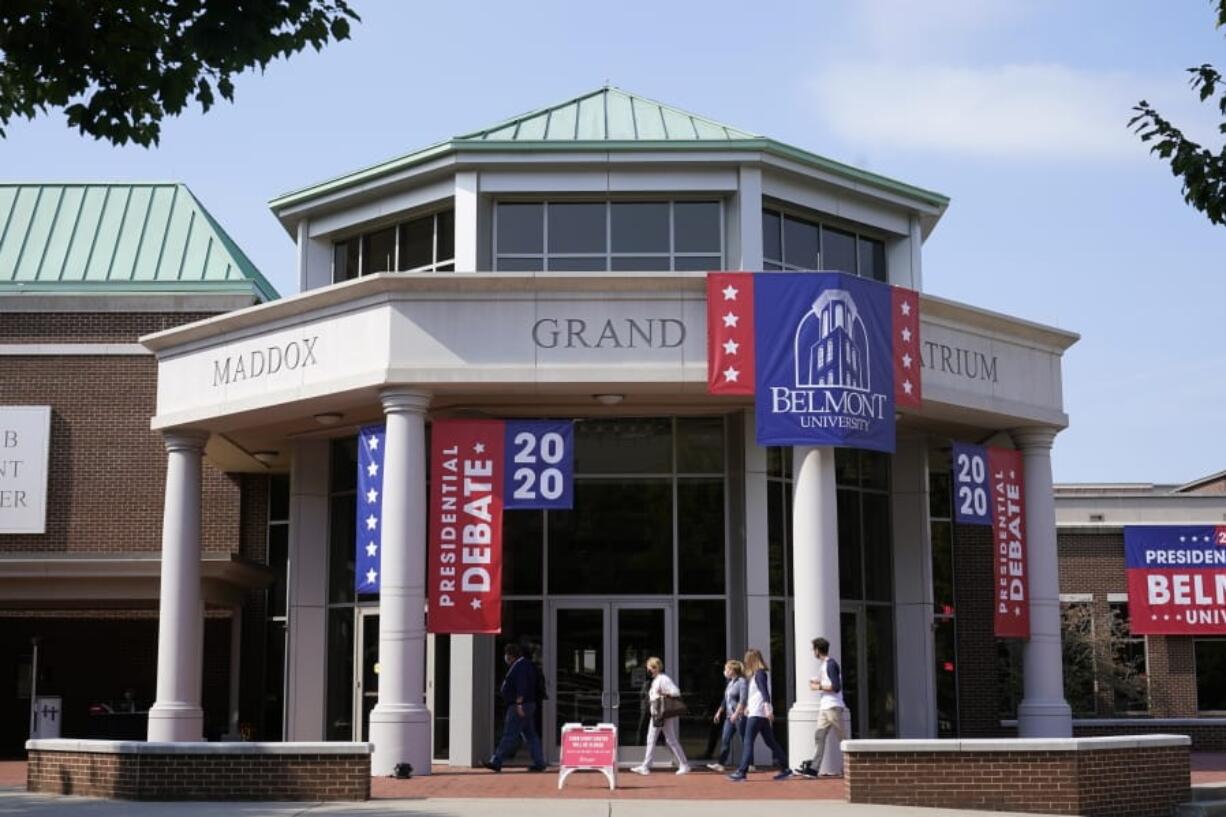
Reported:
(608, 399)
(328, 418)
(265, 457)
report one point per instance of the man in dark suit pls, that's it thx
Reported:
(519, 692)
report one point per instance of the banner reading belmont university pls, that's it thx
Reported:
(1176, 579)
(826, 355)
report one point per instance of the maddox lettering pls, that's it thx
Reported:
(264, 362)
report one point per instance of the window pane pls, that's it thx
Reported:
(522, 543)
(640, 263)
(521, 227)
(776, 531)
(623, 446)
(640, 226)
(943, 567)
(700, 445)
(344, 461)
(700, 673)
(522, 623)
(278, 498)
(577, 228)
(872, 259)
(846, 467)
(445, 226)
(1211, 674)
(767, 265)
(850, 586)
(939, 498)
(521, 264)
(618, 539)
(1077, 645)
(345, 260)
(1129, 682)
(875, 470)
(379, 251)
(698, 263)
(278, 559)
(442, 694)
(700, 535)
(339, 724)
(772, 247)
(572, 264)
(417, 243)
(341, 547)
(838, 250)
(799, 243)
(778, 657)
(696, 226)
(878, 555)
(879, 632)
(944, 640)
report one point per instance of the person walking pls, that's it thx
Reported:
(829, 683)
(735, 694)
(661, 687)
(519, 691)
(761, 716)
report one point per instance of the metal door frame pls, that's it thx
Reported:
(361, 614)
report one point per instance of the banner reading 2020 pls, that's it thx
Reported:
(1176, 579)
(478, 469)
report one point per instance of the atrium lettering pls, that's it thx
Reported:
(958, 361)
(295, 354)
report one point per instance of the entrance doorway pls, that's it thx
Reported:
(366, 680)
(867, 633)
(599, 667)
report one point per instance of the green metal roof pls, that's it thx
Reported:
(118, 237)
(608, 113)
(608, 119)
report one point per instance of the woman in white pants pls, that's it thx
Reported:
(662, 687)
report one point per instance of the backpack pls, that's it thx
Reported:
(542, 689)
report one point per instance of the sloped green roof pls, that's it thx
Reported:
(608, 113)
(607, 119)
(118, 237)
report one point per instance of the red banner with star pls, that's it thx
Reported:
(464, 568)
(904, 304)
(730, 350)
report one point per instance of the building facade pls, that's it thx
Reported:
(553, 266)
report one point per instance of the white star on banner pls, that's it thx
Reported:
(906, 335)
(906, 361)
(372, 496)
(906, 386)
(372, 521)
(1183, 538)
(730, 347)
(373, 442)
(478, 448)
(905, 307)
(730, 293)
(731, 375)
(476, 603)
(730, 319)
(371, 549)
(371, 575)
(372, 470)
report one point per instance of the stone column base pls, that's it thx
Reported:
(175, 722)
(802, 731)
(401, 734)
(1044, 719)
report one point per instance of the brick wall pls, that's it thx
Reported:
(1133, 782)
(89, 327)
(170, 777)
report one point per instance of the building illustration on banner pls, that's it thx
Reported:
(839, 355)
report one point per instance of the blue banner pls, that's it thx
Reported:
(970, 483)
(369, 509)
(823, 363)
(540, 464)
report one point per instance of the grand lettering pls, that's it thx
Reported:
(959, 362)
(295, 354)
(628, 333)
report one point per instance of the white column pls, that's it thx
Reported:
(815, 578)
(1043, 712)
(400, 722)
(915, 661)
(745, 224)
(176, 715)
(466, 223)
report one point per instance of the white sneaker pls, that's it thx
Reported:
(716, 767)
(683, 769)
(640, 770)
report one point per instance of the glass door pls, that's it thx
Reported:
(599, 667)
(366, 684)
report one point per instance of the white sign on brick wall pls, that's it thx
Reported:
(25, 442)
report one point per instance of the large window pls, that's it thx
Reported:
(278, 561)
(583, 236)
(791, 242)
(1211, 675)
(422, 244)
(944, 623)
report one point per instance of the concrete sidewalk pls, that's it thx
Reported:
(14, 802)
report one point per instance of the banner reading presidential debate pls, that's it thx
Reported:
(827, 356)
(1176, 579)
(478, 469)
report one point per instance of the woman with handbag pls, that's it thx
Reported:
(666, 708)
(761, 716)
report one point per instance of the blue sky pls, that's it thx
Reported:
(1016, 110)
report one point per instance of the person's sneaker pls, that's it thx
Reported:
(753, 768)
(640, 770)
(831, 774)
(737, 777)
(715, 767)
(807, 771)
(536, 768)
(783, 774)
(683, 769)
(489, 764)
